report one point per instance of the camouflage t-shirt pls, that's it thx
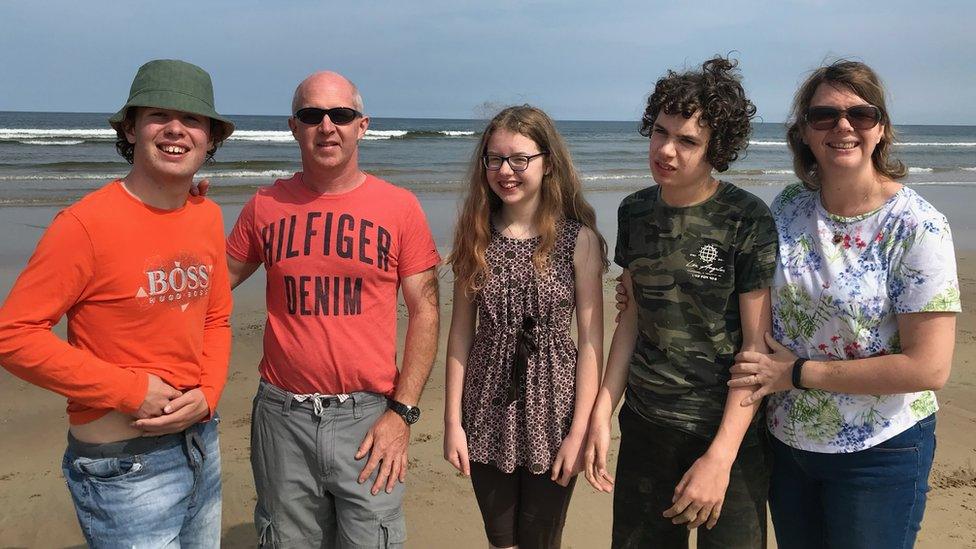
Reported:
(689, 266)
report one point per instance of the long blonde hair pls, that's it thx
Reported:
(561, 197)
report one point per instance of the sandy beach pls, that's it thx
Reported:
(440, 506)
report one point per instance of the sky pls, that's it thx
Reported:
(578, 60)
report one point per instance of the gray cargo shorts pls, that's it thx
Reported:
(305, 473)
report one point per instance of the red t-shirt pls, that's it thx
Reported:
(145, 291)
(334, 264)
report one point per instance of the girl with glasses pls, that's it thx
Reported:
(864, 304)
(698, 256)
(527, 255)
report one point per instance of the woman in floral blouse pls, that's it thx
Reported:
(864, 304)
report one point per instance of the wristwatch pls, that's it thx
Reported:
(798, 373)
(410, 414)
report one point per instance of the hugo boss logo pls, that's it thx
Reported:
(175, 281)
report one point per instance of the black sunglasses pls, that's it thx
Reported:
(340, 116)
(861, 117)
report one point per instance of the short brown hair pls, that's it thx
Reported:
(865, 83)
(127, 150)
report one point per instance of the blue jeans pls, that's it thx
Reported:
(872, 498)
(167, 496)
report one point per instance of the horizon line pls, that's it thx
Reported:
(636, 120)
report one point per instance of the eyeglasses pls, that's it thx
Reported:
(518, 162)
(340, 116)
(861, 117)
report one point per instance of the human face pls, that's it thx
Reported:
(516, 188)
(677, 150)
(842, 147)
(327, 146)
(169, 144)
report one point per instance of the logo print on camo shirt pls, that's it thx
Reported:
(706, 263)
(176, 282)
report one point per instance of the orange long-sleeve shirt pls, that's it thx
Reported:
(145, 291)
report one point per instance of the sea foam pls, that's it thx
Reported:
(77, 136)
(108, 176)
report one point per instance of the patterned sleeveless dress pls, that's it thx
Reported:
(518, 415)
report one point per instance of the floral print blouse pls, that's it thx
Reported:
(840, 282)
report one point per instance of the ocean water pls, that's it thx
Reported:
(54, 158)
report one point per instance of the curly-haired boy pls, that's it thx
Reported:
(698, 256)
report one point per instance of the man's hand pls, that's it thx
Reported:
(386, 444)
(181, 412)
(158, 396)
(568, 460)
(595, 455)
(771, 373)
(456, 449)
(200, 188)
(699, 496)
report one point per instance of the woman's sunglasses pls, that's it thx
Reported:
(340, 116)
(861, 117)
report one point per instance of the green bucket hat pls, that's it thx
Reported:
(176, 85)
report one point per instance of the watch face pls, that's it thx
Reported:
(412, 415)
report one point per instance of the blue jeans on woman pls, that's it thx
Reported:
(165, 494)
(867, 499)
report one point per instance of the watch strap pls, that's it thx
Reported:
(403, 410)
(798, 372)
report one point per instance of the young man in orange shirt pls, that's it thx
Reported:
(139, 268)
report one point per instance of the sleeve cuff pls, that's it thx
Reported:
(212, 396)
(131, 403)
(430, 262)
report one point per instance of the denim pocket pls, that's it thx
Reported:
(906, 441)
(108, 469)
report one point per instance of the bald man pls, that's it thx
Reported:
(332, 415)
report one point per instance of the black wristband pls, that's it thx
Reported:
(797, 372)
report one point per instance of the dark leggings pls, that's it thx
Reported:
(520, 508)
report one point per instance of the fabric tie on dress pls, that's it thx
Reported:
(525, 346)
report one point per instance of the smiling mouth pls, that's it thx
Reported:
(172, 149)
(845, 146)
(664, 167)
(508, 185)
